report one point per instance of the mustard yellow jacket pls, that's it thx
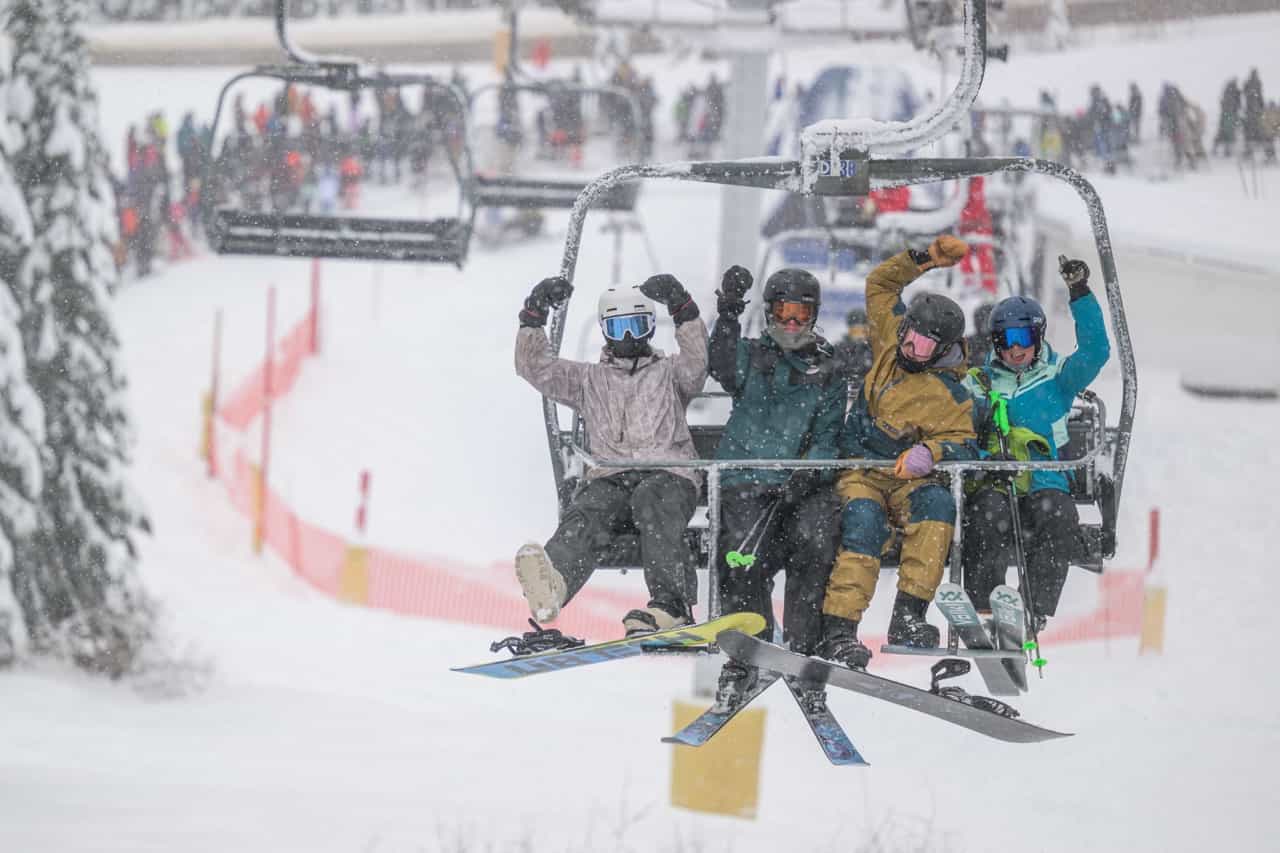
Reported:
(897, 408)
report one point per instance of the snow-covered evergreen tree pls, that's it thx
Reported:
(84, 596)
(21, 414)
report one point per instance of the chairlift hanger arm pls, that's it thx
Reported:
(296, 53)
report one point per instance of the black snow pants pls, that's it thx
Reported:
(1050, 527)
(657, 505)
(800, 540)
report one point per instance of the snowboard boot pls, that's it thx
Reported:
(736, 681)
(658, 616)
(544, 587)
(840, 643)
(908, 626)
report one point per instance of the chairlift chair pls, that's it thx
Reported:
(281, 231)
(828, 167)
(554, 190)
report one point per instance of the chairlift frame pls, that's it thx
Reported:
(814, 174)
(283, 234)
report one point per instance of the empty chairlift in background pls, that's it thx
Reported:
(293, 154)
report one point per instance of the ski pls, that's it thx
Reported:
(554, 661)
(826, 728)
(711, 721)
(956, 606)
(1011, 630)
(749, 650)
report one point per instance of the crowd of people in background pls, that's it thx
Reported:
(1106, 131)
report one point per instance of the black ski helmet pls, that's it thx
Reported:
(1017, 312)
(934, 316)
(798, 286)
(793, 285)
(856, 317)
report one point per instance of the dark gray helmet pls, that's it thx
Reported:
(856, 317)
(793, 285)
(937, 317)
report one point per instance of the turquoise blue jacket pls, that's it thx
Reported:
(1040, 396)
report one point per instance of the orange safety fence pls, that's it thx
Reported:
(443, 589)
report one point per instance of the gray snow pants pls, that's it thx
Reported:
(657, 505)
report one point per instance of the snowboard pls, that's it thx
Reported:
(750, 650)
(701, 634)
(954, 603)
(1011, 630)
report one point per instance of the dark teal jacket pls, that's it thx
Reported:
(786, 405)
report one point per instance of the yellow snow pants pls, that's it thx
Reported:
(873, 498)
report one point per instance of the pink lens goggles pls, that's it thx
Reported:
(922, 346)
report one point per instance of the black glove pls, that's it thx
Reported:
(1076, 274)
(668, 290)
(800, 485)
(546, 294)
(734, 284)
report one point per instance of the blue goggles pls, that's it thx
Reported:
(636, 325)
(1021, 336)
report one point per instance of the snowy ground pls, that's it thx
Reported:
(325, 727)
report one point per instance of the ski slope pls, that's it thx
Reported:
(325, 727)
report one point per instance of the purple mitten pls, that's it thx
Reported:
(916, 462)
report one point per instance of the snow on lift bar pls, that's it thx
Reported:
(845, 174)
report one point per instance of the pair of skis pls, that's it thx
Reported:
(830, 735)
(1002, 658)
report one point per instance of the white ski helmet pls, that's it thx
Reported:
(625, 311)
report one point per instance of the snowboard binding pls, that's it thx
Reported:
(536, 641)
(954, 668)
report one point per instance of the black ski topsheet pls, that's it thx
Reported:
(709, 723)
(826, 728)
(750, 650)
(954, 604)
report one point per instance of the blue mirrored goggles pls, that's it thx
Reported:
(1021, 336)
(635, 325)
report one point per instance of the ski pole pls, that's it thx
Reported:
(744, 557)
(1024, 580)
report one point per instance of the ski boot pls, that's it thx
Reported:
(908, 626)
(544, 587)
(736, 681)
(811, 696)
(840, 643)
(658, 616)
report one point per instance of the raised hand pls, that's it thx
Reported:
(734, 285)
(665, 288)
(1073, 272)
(546, 294)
